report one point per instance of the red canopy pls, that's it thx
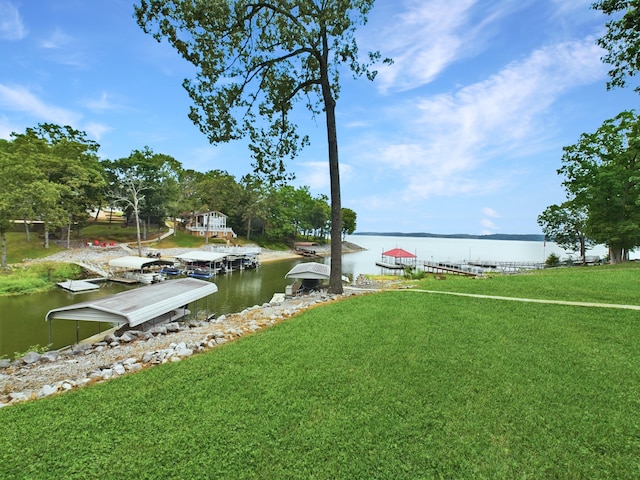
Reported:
(399, 253)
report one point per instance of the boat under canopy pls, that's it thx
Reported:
(137, 306)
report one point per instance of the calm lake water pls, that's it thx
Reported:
(22, 321)
(451, 250)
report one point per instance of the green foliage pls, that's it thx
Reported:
(565, 225)
(348, 221)
(552, 260)
(621, 40)
(393, 385)
(414, 274)
(36, 277)
(256, 61)
(601, 175)
(33, 348)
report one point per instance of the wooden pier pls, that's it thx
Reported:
(440, 269)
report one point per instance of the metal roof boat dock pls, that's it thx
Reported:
(131, 269)
(149, 305)
(221, 259)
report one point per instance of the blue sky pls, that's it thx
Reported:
(462, 134)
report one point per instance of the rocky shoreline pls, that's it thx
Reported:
(37, 375)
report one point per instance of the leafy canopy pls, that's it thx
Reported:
(602, 174)
(257, 59)
(622, 40)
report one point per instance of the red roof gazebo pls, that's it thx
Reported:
(397, 259)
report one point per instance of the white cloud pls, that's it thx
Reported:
(57, 40)
(315, 175)
(501, 117)
(11, 26)
(101, 104)
(422, 42)
(431, 35)
(490, 212)
(488, 224)
(96, 130)
(22, 100)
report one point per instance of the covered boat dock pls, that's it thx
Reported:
(140, 307)
(312, 276)
(131, 269)
(397, 259)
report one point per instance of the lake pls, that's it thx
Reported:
(22, 321)
(451, 250)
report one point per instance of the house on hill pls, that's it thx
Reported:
(209, 224)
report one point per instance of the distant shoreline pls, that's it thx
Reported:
(495, 236)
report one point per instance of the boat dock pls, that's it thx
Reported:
(448, 269)
(78, 286)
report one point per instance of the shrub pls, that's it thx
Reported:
(552, 261)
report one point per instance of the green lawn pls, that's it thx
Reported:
(601, 284)
(392, 385)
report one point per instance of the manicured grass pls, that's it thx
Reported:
(18, 248)
(601, 284)
(115, 233)
(392, 385)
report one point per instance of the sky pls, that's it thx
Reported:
(462, 134)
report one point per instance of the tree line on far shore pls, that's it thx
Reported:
(53, 174)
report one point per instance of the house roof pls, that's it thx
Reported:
(137, 263)
(201, 256)
(398, 253)
(138, 305)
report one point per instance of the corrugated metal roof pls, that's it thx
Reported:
(138, 305)
(309, 270)
(137, 263)
(201, 256)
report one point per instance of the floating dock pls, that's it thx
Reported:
(78, 286)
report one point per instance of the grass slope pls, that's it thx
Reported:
(392, 385)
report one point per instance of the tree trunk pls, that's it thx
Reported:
(335, 277)
(3, 241)
(27, 231)
(615, 254)
(137, 218)
(249, 228)
(206, 230)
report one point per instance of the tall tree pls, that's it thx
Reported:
(257, 58)
(602, 174)
(621, 40)
(348, 221)
(565, 225)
